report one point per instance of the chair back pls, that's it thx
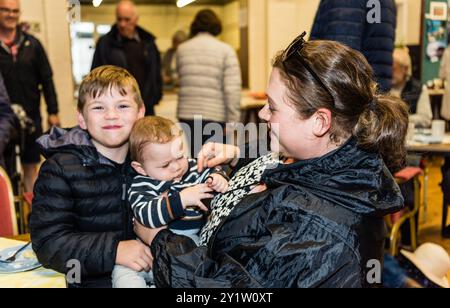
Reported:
(8, 219)
(405, 175)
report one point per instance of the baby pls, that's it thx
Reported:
(168, 190)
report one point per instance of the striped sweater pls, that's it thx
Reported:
(158, 203)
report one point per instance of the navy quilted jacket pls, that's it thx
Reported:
(346, 21)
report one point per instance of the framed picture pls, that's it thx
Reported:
(438, 10)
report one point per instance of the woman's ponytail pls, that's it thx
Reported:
(382, 127)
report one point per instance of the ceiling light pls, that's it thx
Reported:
(181, 3)
(96, 3)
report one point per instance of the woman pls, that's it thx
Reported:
(210, 80)
(315, 222)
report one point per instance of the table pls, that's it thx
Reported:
(38, 278)
(441, 149)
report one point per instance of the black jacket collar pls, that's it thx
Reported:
(349, 176)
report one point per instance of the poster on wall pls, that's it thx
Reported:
(438, 11)
(434, 37)
(436, 31)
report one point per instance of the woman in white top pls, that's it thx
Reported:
(210, 80)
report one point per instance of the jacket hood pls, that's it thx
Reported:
(75, 141)
(349, 177)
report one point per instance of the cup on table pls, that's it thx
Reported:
(438, 128)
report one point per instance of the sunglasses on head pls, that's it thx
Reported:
(295, 48)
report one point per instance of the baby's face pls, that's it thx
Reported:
(165, 162)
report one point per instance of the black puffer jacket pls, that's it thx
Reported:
(25, 76)
(317, 225)
(80, 207)
(6, 120)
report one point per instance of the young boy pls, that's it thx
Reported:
(81, 223)
(168, 190)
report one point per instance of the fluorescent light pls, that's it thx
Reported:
(96, 3)
(181, 3)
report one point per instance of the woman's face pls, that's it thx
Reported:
(290, 135)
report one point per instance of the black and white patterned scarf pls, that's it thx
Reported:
(246, 179)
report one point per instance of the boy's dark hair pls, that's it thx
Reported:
(206, 21)
(105, 78)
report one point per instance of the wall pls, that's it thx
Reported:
(273, 24)
(164, 20)
(51, 17)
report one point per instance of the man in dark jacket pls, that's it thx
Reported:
(131, 47)
(356, 24)
(25, 68)
(6, 120)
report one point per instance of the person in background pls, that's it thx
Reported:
(444, 74)
(210, 80)
(6, 121)
(410, 90)
(350, 22)
(169, 63)
(129, 46)
(25, 68)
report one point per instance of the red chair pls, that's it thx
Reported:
(8, 219)
(397, 220)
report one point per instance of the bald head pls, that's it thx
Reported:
(127, 18)
(9, 14)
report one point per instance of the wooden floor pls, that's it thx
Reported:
(430, 229)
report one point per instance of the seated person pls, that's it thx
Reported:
(410, 90)
(168, 190)
(316, 220)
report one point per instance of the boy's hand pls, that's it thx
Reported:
(194, 195)
(134, 255)
(218, 183)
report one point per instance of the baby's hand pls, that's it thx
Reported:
(192, 196)
(218, 183)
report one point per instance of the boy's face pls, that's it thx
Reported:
(163, 162)
(109, 119)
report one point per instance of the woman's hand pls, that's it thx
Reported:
(134, 255)
(146, 234)
(215, 154)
